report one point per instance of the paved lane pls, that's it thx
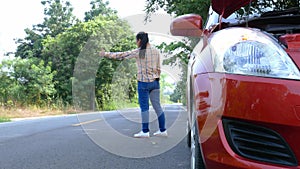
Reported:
(72, 142)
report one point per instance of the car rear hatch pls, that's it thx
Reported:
(227, 7)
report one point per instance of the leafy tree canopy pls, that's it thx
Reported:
(79, 46)
(201, 7)
(98, 7)
(58, 18)
(178, 7)
(26, 82)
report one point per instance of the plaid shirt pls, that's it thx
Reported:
(148, 67)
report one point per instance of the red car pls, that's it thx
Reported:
(243, 88)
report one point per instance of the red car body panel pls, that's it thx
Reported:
(268, 102)
(292, 41)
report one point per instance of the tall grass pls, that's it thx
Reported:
(59, 108)
(8, 113)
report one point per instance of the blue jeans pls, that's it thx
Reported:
(150, 90)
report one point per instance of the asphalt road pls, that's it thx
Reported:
(94, 141)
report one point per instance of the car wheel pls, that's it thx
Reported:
(188, 136)
(196, 157)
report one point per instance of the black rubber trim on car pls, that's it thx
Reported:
(258, 143)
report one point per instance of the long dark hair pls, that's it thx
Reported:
(143, 45)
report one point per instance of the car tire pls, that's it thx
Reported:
(196, 157)
(188, 136)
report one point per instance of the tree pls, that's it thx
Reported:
(201, 7)
(75, 53)
(7, 82)
(69, 45)
(177, 95)
(30, 46)
(261, 6)
(178, 7)
(178, 54)
(98, 7)
(58, 17)
(26, 82)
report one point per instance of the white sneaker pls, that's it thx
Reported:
(141, 134)
(161, 134)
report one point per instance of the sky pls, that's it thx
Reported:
(17, 15)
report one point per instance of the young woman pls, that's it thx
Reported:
(148, 62)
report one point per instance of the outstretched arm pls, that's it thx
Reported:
(120, 55)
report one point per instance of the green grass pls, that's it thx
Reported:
(123, 105)
(4, 119)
